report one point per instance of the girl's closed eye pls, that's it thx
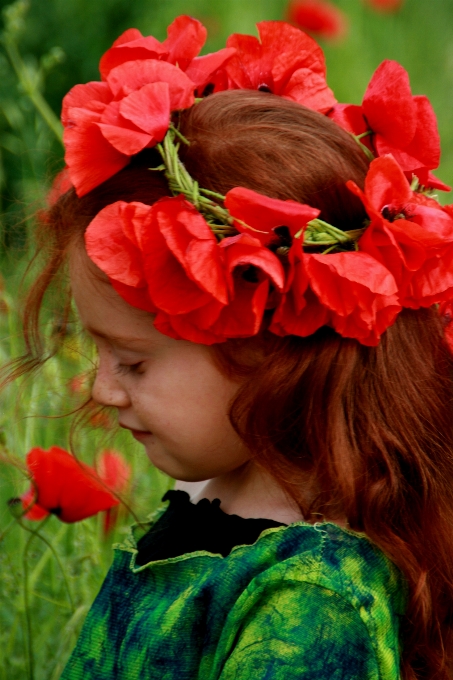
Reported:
(124, 369)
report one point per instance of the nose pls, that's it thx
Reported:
(107, 389)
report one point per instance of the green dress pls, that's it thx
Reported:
(306, 602)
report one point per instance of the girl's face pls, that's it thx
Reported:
(169, 393)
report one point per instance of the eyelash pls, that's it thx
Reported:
(124, 369)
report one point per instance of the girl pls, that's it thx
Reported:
(261, 297)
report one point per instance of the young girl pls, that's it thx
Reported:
(263, 301)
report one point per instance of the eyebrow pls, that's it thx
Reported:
(117, 339)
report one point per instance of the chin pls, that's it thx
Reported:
(172, 468)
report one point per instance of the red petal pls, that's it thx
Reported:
(66, 487)
(124, 140)
(300, 317)
(136, 297)
(318, 16)
(35, 512)
(93, 96)
(244, 250)
(186, 37)
(388, 104)
(181, 258)
(114, 470)
(432, 283)
(247, 68)
(90, 158)
(149, 109)
(192, 242)
(286, 62)
(425, 145)
(288, 49)
(243, 316)
(309, 89)
(427, 179)
(331, 277)
(180, 327)
(130, 46)
(133, 75)
(202, 69)
(386, 184)
(360, 291)
(109, 246)
(350, 118)
(263, 214)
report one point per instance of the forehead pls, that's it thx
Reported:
(102, 311)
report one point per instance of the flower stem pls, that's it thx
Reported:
(29, 628)
(35, 533)
(31, 88)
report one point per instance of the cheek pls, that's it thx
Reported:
(186, 403)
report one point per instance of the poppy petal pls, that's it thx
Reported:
(425, 145)
(202, 69)
(388, 104)
(109, 247)
(263, 214)
(319, 17)
(66, 487)
(149, 109)
(133, 75)
(130, 46)
(186, 37)
(84, 144)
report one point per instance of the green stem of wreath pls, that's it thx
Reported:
(180, 182)
(369, 154)
(317, 233)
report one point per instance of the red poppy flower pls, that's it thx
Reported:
(143, 82)
(260, 215)
(385, 5)
(349, 291)
(402, 124)
(318, 17)
(79, 384)
(115, 472)
(409, 234)
(64, 487)
(251, 270)
(284, 61)
(106, 123)
(186, 37)
(162, 258)
(165, 259)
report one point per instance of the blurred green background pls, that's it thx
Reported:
(48, 582)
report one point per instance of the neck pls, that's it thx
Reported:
(249, 492)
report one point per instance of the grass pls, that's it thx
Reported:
(51, 571)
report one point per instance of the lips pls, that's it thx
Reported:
(138, 434)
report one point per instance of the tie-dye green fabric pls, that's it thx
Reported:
(305, 602)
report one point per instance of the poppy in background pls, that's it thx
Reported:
(385, 5)
(318, 17)
(63, 486)
(115, 472)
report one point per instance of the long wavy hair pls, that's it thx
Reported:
(370, 426)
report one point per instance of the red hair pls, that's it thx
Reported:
(370, 425)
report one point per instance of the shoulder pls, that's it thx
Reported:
(331, 601)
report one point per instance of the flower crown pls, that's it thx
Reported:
(207, 265)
